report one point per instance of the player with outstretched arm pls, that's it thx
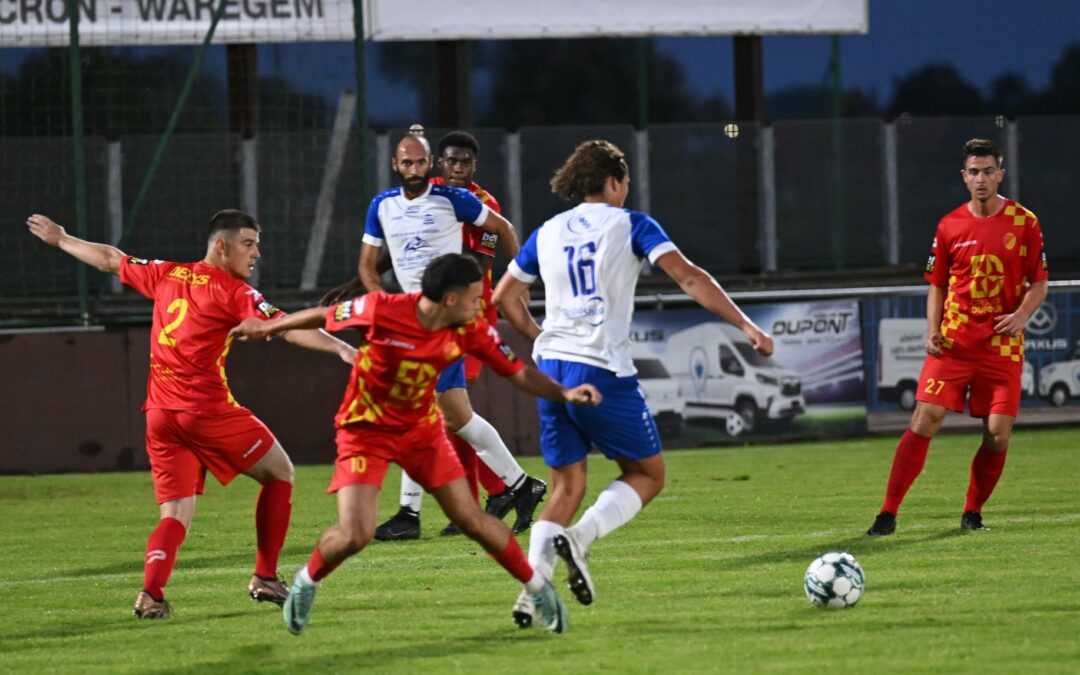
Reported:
(390, 414)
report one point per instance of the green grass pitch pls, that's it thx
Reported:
(707, 579)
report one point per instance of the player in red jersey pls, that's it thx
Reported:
(987, 272)
(193, 423)
(390, 414)
(457, 158)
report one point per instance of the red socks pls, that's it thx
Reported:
(272, 513)
(469, 461)
(986, 469)
(317, 567)
(513, 560)
(161, 550)
(907, 464)
(490, 480)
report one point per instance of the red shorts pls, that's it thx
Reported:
(365, 452)
(995, 385)
(183, 444)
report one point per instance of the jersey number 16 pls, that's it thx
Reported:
(582, 268)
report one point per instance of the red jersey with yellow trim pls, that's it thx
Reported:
(481, 243)
(985, 265)
(392, 385)
(195, 307)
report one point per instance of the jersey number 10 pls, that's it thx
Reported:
(582, 268)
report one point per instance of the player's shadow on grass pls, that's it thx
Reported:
(854, 545)
(31, 640)
(273, 653)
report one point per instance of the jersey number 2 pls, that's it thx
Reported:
(179, 307)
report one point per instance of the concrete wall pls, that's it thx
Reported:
(72, 401)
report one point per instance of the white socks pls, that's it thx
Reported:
(541, 548)
(615, 507)
(412, 494)
(304, 577)
(491, 450)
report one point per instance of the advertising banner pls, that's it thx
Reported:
(44, 23)
(706, 385)
(895, 330)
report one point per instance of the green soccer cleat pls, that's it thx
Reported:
(297, 608)
(551, 610)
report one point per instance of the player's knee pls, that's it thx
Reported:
(996, 441)
(358, 536)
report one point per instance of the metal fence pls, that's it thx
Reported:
(789, 198)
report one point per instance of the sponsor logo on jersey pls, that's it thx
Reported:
(962, 244)
(188, 276)
(267, 309)
(343, 311)
(930, 263)
(138, 261)
(1042, 256)
(416, 244)
(488, 240)
(578, 225)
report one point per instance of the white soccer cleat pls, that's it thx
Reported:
(577, 563)
(524, 610)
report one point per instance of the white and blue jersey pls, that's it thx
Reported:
(421, 229)
(590, 258)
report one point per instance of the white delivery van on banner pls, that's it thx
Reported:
(719, 373)
(901, 353)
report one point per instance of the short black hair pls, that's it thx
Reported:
(459, 139)
(232, 221)
(447, 272)
(982, 147)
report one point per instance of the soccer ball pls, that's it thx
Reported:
(835, 580)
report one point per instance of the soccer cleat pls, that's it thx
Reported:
(577, 564)
(499, 505)
(526, 498)
(451, 530)
(884, 524)
(972, 520)
(146, 607)
(267, 589)
(524, 610)
(297, 608)
(404, 525)
(550, 609)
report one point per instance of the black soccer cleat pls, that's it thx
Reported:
(451, 530)
(526, 498)
(884, 524)
(499, 505)
(404, 525)
(972, 520)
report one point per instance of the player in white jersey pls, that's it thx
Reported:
(418, 222)
(589, 259)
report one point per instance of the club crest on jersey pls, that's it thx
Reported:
(1009, 240)
(451, 351)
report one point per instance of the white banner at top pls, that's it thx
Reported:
(510, 19)
(44, 23)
